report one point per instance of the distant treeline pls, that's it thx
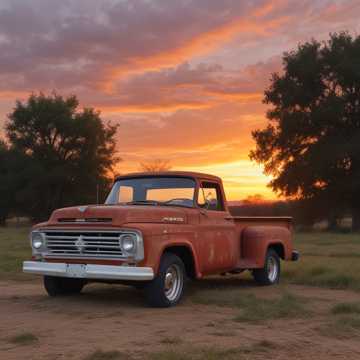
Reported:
(305, 213)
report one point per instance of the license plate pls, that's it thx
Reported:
(76, 270)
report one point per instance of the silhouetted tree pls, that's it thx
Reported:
(156, 165)
(70, 153)
(256, 198)
(13, 169)
(5, 183)
(311, 144)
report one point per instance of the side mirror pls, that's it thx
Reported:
(212, 204)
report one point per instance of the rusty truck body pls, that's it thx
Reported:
(155, 231)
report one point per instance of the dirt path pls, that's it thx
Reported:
(115, 318)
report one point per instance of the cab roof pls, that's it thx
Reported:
(188, 174)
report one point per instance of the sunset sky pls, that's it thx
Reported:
(184, 79)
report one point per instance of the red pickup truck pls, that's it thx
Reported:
(154, 231)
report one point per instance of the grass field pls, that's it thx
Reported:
(328, 260)
(14, 249)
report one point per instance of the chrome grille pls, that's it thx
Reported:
(83, 243)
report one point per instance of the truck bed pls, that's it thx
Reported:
(244, 221)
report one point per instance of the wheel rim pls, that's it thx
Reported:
(173, 282)
(272, 268)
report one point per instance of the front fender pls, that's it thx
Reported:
(181, 243)
(158, 238)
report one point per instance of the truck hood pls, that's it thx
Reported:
(118, 215)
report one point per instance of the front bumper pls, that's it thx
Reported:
(89, 271)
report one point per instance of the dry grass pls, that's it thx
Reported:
(25, 338)
(107, 355)
(174, 340)
(214, 353)
(223, 333)
(344, 323)
(252, 308)
(14, 249)
(342, 327)
(346, 308)
(328, 260)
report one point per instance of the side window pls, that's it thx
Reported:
(210, 196)
(126, 194)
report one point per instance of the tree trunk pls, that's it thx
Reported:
(2, 220)
(356, 218)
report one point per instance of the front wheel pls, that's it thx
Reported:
(270, 273)
(57, 286)
(168, 287)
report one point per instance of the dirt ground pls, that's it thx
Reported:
(112, 318)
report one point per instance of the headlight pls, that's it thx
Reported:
(128, 243)
(37, 240)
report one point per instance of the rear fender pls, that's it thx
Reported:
(256, 240)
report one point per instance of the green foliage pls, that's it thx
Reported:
(6, 178)
(311, 145)
(60, 154)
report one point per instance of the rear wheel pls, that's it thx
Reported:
(168, 287)
(270, 273)
(57, 286)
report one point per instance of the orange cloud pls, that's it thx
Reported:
(198, 45)
(155, 108)
(188, 87)
(240, 97)
(11, 95)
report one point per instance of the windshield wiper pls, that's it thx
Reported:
(155, 203)
(144, 202)
(179, 205)
(177, 202)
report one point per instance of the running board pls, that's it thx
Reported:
(246, 264)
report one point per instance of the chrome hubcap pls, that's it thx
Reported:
(173, 282)
(272, 269)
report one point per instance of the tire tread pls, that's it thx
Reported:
(261, 275)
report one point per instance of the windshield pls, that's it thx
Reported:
(156, 190)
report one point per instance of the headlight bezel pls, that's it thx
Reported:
(37, 237)
(124, 241)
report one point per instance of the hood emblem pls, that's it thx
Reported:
(173, 219)
(82, 208)
(80, 244)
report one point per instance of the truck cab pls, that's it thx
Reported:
(155, 231)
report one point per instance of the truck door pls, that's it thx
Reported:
(216, 232)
